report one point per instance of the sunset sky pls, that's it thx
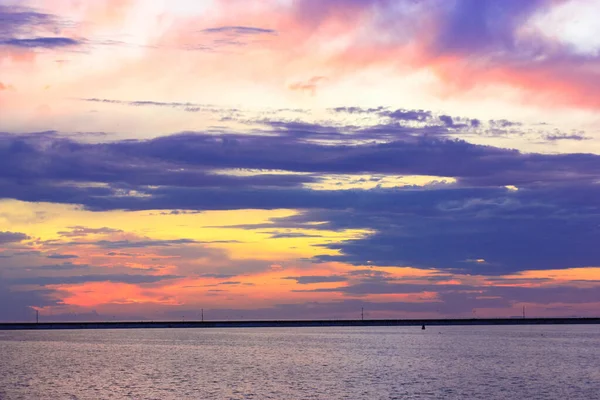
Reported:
(294, 159)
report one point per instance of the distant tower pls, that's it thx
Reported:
(523, 312)
(37, 317)
(202, 315)
(362, 313)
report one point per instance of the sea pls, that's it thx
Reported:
(466, 362)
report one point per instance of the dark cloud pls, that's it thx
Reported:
(67, 266)
(230, 37)
(309, 279)
(23, 27)
(510, 234)
(503, 123)
(73, 280)
(424, 156)
(468, 26)
(240, 30)
(16, 305)
(12, 237)
(187, 106)
(357, 110)
(536, 227)
(368, 273)
(216, 276)
(62, 256)
(563, 136)
(292, 235)
(546, 295)
(447, 120)
(550, 222)
(508, 231)
(81, 231)
(180, 212)
(45, 42)
(130, 244)
(407, 115)
(120, 254)
(50, 159)
(15, 18)
(187, 160)
(452, 299)
(378, 286)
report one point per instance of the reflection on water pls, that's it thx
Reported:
(474, 362)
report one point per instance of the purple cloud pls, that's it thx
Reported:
(12, 237)
(240, 30)
(307, 280)
(45, 42)
(474, 218)
(26, 28)
(482, 25)
(62, 256)
(77, 279)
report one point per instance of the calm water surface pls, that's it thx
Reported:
(476, 362)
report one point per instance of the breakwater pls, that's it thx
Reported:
(295, 323)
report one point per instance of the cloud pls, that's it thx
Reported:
(217, 38)
(310, 279)
(67, 266)
(563, 136)
(12, 237)
(26, 28)
(16, 305)
(456, 298)
(240, 30)
(549, 210)
(62, 256)
(131, 244)
(467, 26)
(82, 231)
(311, 85)
(188, 160)
(545, 295)
(511, 234)
(189, 107)
(466, 44)
(292, 235)
(407, 115)
(44, 42)
(78, 279)
(46, 157)
(120, 254)
(217, 276)
(384, 287)
(369, 273)
(16, 20)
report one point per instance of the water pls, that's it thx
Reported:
(474, 362)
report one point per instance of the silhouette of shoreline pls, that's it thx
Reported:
(296, 323)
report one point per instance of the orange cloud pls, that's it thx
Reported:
(309, 86)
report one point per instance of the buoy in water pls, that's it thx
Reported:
(423, 326)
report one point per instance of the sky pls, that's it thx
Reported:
(299, 159)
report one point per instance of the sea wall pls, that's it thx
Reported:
(293, 323)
